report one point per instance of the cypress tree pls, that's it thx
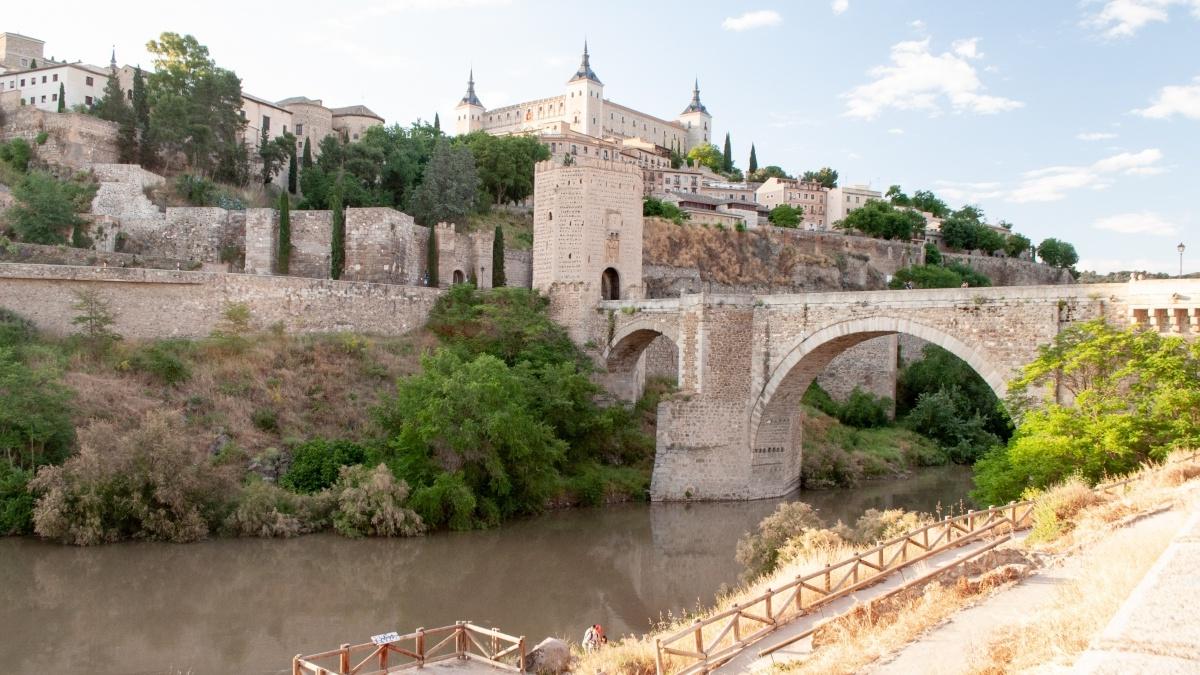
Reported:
(284, 260)
(306, 161)
(431, 258)
(727, 160)
(753, 159)
(62, 98)
(141, 114)
(437, 124)
(292, 171)
(337, 257)
(498, 279)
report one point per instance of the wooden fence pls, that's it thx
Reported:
(715, 639)
(463, 640)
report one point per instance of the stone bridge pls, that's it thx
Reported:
(734, 430)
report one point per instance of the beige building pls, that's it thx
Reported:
(584, 110)
(846, 198)
(352, 121)
(741, 192)
(812, 197)
(20, 52)
(261, 114)
(79, 84)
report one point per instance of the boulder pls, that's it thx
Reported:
(549, 656)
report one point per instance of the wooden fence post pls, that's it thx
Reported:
(521, 659)
(344, 660)
(699, 637)
(737, 623)
(421, 646)
(770, 593)
(383, 656)
(296, 664)
(659, 668)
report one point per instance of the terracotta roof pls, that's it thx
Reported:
(358, 110)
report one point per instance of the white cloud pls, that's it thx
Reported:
(840, 6)
(750, 20)
(1123, 18)
(967, 192)
(917, 79)
(1144, 222)
(917, 24)
(1052, 183)
(896, 131)
(1179, 99)
(1095, 136)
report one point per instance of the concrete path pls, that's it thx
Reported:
(749, 661)
(1157, 630)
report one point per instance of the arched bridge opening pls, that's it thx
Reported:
(640, 352)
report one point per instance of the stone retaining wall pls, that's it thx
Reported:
(160, 303)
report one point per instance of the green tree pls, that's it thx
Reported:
(284, 258)
(448, 187)
(932, 255)
(1057, 253)
(786, 215)
(431, 258)
(938, 276)
(1136, 397)
(878, 218)
(147, 152)
(95, 319)
(707, 155)
(45, 209)
(307, 158)
(753, 165)
(766, 173)
(62, 97)
(965, 230)
(652, 207)
(1016, 245)
(337, 256)
(35, 414)
(924, 200)
(292, 174)
(272, 153)
(824, 176)
(504, 164)
(897, 197)
(727, 155)
(16, 501)
(498, 279)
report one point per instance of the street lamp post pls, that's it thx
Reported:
(1180, 248)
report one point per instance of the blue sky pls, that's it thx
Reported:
(1079, 120)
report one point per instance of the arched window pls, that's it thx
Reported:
(610, 285)
(458, 277)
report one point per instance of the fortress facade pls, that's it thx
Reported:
(582, 109)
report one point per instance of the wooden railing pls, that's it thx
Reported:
(463, 640)
(713, 640)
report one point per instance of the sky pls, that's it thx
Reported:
(1071, 119)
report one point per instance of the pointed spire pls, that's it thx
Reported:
(113, 63)
(695, 105)
(585, 71)
(470, 98)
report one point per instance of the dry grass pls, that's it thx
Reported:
(276, 391)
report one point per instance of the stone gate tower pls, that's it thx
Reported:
(587, 236)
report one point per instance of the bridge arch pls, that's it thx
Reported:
(773, 420)
(626, 348)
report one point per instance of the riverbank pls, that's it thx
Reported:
(1067, 522)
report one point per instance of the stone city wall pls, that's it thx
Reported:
(869, 366)
(161, 303)
(18, 252)
(1011, 271)
(518, 268)
(74, 140)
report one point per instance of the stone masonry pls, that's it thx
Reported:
(734, 431)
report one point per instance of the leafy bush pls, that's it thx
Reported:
(1136, 398)
(652, 207)
(45, 210)
(758, 552)
(35, 414)
(16, 153)
(15, 329)
(266, 510)
(16, 502)
(165, 360)
(315, 464)
(446, 502)
(370, 502)
(950, 275)
(144, 484)
(265, 419)
(932, 255)
(945, 417)
(786, 215)
(865, 410)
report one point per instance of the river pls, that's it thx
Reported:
(249, 605)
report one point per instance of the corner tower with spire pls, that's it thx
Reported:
(585, 99)
(468, 114)
(696, 119)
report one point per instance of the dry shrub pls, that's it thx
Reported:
(1177, 474)
(811, 544)
(267, 510)
(370, 502)
(1054, 508)
(874, 526)
(143, 483)
(759, 552)
(628, 656)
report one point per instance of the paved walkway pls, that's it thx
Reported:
(749, 661)
(1157, 630)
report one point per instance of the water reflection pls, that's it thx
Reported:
(249, 605)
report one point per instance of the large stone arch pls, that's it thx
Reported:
(773, 420)
(623, 356)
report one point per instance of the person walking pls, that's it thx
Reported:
(593, 637)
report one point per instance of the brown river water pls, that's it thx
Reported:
(249, 605)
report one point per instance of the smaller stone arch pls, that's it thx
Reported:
(459, 277)
(610, 284)
(625, 350)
